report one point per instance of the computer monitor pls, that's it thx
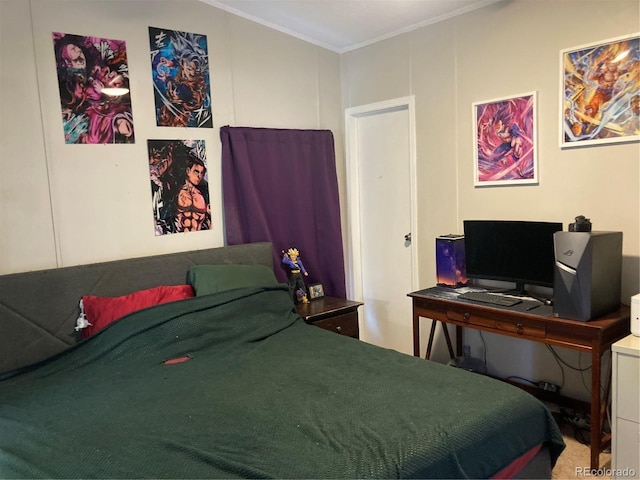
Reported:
(520, 252)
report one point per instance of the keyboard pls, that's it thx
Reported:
(491, 298)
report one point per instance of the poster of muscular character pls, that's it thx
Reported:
(93, 79)
(600, 88)
(179, 186)
(180, 71)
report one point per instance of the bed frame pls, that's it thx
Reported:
(38, 310)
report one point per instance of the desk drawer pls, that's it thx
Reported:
(525, 326)
(520, 326)
(345, 324)
(464, 316)
(574, 334)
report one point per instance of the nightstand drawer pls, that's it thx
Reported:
(345, 324)
(628, 388)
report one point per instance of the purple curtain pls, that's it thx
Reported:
(280, 186)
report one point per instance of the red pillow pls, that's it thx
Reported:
(101, 311)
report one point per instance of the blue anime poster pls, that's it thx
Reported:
(180, 71)
(179, 186)
(93, 80)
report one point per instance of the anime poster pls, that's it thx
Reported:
(93, 79)
(179, 186)
(180, 71)
(600, 92)
(505, 141)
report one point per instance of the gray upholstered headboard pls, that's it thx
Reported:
(38, 310)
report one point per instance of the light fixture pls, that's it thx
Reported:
(115, 91)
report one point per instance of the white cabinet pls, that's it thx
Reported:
(625, 419)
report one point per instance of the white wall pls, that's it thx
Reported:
(64, 204)
(507, 48)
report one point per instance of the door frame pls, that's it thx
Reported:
(353, 161)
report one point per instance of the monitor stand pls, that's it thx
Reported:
(521, 291)
(518, 291)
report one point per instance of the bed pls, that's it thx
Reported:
(230, 382)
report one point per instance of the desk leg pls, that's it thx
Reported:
(431, 335)
(448, 339)
(416, 334)
(596, 417)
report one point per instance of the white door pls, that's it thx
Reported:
(382, 225)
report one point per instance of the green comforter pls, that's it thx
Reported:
(261, 394)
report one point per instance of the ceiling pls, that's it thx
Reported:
(344, 25)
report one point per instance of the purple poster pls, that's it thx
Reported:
(505, 141)
(179, 186)
(93, 79)
(180, 71)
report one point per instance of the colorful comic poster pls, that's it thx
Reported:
(179, 186)
(600, 92)
(93, 79)
(180, 71)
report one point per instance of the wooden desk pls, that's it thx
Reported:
(538, 325)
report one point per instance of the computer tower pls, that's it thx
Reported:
(587, 274)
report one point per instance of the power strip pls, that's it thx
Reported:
(577, 419)
(581, 422)
(549, 387)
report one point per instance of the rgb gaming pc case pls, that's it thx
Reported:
(450, 261)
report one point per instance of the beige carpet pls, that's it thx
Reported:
(576, 457)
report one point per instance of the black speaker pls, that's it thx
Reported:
(587, 276)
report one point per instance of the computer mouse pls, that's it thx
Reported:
(548, 301)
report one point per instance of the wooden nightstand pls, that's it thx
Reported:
(335, 314)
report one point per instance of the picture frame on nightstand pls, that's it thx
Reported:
(316, 290)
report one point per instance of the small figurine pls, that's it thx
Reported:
(291, 259)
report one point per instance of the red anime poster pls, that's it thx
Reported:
(505, 150)
(179, 186)
(93, 79)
